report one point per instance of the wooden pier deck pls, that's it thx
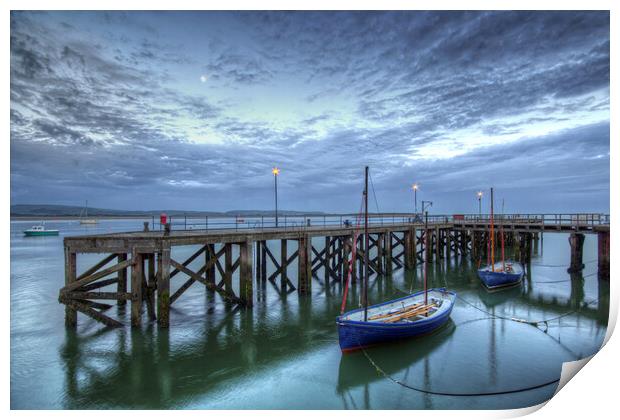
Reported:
(139, 266)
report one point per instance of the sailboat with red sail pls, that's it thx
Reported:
(503, 273)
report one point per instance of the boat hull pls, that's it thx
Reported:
(41, 233)
(355, 335)
(496, 279)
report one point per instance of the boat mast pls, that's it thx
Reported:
(492, 236)
(86, 209)
(502, 234)
(366, 245)
(425, 257)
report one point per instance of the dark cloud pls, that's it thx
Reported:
(110, 104)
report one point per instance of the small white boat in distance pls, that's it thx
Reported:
(84, 217)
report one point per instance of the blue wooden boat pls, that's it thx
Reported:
(395, 320)
(501, 275)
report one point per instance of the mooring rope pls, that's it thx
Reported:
(563, 281)
(490, 316)
(523, 321)
(453, 394)
(558, 265)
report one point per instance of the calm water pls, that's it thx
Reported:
(284, 353)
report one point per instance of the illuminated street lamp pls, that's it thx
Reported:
(275, 171)
(415, 196)
(479, 203)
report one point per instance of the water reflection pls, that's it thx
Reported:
(284, 353)
(158, 368)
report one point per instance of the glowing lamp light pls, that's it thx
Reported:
(415, 186)
(275, 171)
(479, 194)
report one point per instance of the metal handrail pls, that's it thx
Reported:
(304, 221)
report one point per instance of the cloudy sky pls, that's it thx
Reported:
(191, 110)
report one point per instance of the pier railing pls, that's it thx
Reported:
(302, 221)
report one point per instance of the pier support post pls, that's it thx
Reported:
(475, 245)
(346, 256)
(576, 252)
(70, 277)
(430, 243)
(304, 265)
(263, 252)
(438, 244)
(341, 241)
(121, 286)
(283, 260)
(245, 273)
(328, 241)
(163, 286)
(379, 260)
(353, 261)
(387, 245)
(151, 285)
(518, 244)
(209, 272)
(603, 255)
(137, 270)
(528, 247)
(228, 269)
(256, 257)
(410, 254)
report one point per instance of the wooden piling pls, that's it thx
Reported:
(327, 254)
(163, 286)
(410, 254)
(576, 252)
(121, 286)
(137, 268)
(210, 270)
(228, 269)
(283, 262)
(151, 286)
(263, 275)
(603, 255)
(387, 246)
(257, 262)
(346, 249)
(245, 274)
(304, 265)
(379, 259)
(70, 277)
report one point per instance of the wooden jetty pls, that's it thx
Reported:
(139, 266)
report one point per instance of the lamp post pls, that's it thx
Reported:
(415, 196)
(426, 204)
(275, 171)
(479, 204)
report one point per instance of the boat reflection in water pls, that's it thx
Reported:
(492, 298)
(356, 370)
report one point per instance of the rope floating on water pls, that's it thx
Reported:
(563, 281)
(454, 394)
(558, 265)
(523, 321)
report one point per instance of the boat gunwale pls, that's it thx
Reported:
(375, 324)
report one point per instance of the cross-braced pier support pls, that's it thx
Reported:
(143, 270)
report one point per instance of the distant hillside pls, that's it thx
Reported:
(54, 210)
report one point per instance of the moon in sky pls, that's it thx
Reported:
(203, 78)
